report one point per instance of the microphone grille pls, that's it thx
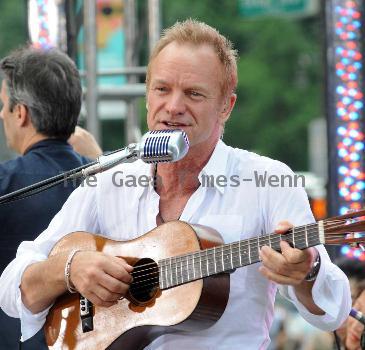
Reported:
(164, 146)
(155, 149)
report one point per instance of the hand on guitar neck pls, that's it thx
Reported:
(291, 267)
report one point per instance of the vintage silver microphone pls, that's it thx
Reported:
(155, 147)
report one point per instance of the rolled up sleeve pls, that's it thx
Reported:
(330, 292)
(79, 213)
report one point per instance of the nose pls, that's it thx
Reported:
(176, 104)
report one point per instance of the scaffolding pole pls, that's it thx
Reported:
(92, 120)
(132, 129)
(154, 23)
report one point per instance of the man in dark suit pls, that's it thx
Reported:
(41, 101)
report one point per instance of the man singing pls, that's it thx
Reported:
(191, 81)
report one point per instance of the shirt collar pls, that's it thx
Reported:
(216, 166)
(47, 143)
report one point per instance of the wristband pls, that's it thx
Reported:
(312, 275)
(69, 285)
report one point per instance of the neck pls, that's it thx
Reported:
(182, 176)
(29, 140)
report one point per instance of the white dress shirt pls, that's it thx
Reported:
(239, 210)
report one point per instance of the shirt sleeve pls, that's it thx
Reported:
(331, 290)
(79, 213)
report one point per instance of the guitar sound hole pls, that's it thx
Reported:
(145, 281)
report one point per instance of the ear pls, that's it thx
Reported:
(22, 116)
(227, 108)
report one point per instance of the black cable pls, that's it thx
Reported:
(362, 340)
(337, 341)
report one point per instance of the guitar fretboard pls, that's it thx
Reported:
(190, 267)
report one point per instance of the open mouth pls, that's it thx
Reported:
(174, 125)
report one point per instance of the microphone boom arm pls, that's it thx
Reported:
(155, 146)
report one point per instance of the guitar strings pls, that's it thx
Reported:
(174, 266)
(244, 243)
(203, 258)
(145, 284)
(274, 239)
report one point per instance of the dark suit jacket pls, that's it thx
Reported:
(25, 219)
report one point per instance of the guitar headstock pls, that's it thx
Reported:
(345, 229)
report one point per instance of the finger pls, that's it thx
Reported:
(128, 267)
(277, 278)
(104, 294)
(97, 301)
(114, 285)
(277, 263)
(283, 226)
(119, 269)
(293, 255)
(272, 259)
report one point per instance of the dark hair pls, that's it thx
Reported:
(355, 271)
(47, 82)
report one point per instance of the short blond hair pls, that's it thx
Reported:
(198, 33)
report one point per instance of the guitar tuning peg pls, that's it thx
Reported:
(351, 211)
(357, 245)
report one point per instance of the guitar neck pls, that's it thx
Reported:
(186, 268)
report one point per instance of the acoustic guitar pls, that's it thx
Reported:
(181, 281)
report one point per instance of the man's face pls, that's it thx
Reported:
(185, 93)
(7, 117)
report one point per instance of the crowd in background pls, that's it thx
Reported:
(291, 332)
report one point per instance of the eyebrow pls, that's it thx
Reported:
(190, 87)
(159, 81)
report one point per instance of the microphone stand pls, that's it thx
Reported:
(44, 185)
(104, 162)
(156, 146)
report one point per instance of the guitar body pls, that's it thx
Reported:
(130, 325)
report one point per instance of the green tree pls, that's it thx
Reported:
(13, 25)
(279, 89)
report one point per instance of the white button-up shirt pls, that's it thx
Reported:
(239, 204)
